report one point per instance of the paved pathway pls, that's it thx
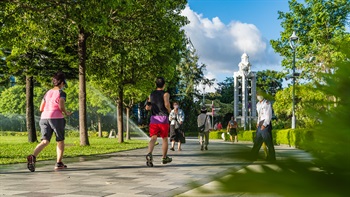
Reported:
(126, 174)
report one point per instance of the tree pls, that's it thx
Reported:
(320, 25)
(144, 41)
(269, 81)
(189, 74)
(309, 104)
(226, 90)
(26, 54)
(13, 104)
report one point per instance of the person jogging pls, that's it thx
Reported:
(159, 104)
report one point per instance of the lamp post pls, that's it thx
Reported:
(293, 41)
(203, 95)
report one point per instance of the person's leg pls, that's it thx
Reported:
(58, 126)
(206, 140)
(153, 133)
(172, 145)
(230, 133)
(60, 151)
(165, 147)
(201, 140)
(40, 147)
(172, 136)
(152, 143)
(179, 138)
(257, 144)
(269, 143)
(46, 134)
(236, 136)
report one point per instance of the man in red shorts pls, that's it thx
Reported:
(158, 103)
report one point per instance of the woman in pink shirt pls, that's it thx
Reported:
(52, 121)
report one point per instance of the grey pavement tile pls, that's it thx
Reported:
(91, 193)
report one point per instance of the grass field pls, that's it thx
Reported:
(15, 149)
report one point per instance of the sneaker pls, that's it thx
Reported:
(149, 159)
(202, 148)
(31, 159)
(166, 160)
(172, 149)
(206, 148)
(60, 165)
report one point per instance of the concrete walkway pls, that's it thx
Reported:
(126, 174)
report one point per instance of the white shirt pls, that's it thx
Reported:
(264, 110)
(180, 116)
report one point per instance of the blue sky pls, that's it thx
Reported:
(262, 13)
(222, 30)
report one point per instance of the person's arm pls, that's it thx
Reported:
(235, 125)
(63, 108)
(167, 102)
(148, 104)
(42, 105)
(171, 115)
(268, 115)
(208, 124)
(181, 115)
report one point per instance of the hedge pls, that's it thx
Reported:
(295, 138)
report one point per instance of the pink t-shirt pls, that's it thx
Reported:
(52, 100)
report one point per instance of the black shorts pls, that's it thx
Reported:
(50, 126)
(233, 131)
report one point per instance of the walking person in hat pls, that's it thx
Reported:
(204, 120)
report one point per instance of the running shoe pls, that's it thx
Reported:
(149, 159)
(31, 163)
(166, 160)
(60, 165)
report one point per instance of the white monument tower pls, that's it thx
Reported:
(244, 93)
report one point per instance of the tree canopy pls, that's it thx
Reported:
(320, 26)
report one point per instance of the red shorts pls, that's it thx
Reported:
(161, 130)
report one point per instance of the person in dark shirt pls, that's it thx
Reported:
(158, 103)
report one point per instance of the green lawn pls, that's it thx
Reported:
(15, 149)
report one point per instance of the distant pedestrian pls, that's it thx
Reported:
(232, 129)
(176, 119)
(215, 126)
(203, 120)
(52, 121)
(264, 129)
(158, 103)
(219, 127)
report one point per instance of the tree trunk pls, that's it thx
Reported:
(84, 140)
(127, 123)
(120, 115)
(30, 110)
(99, 125)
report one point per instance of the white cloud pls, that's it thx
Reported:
(220, 46)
